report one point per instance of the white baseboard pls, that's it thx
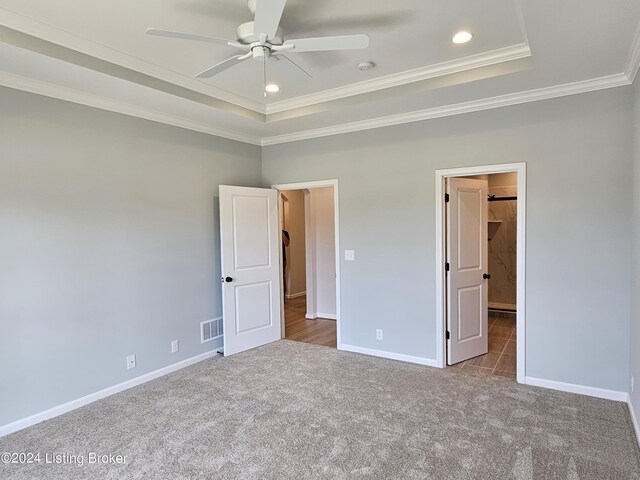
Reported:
(634, 420)
(502, 306)
(92, 397)
(313, 316)
(393, 356)
(580, 389)
(296, 295)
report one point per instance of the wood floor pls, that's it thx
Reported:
(296, 327)
(501, 359)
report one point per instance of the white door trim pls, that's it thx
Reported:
(441, 175)
(318, 184)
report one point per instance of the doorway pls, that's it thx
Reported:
(310, 262)
(480, 266)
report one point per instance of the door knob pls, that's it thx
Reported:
(486, 276)
(228, 279)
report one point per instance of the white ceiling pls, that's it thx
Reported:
(96, 53)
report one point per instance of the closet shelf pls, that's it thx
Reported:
(494, 225)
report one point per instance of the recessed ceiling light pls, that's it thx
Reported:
(462, 37)
(272, 88)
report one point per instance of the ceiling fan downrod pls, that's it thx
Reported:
(264, 70)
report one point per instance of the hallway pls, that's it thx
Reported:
(320, 331)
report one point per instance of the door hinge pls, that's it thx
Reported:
(446, 198)
(448, 335)
(446, 266)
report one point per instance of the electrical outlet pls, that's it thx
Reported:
(174, 346)
(349, 255)
(379, 334)
(632, 380)
(131, 362)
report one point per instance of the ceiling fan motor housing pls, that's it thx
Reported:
(263, 38)
(247, 36)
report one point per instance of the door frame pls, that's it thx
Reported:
(282, 208)
(441, 293)
(336, 218)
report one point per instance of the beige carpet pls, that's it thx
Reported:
(293, 410)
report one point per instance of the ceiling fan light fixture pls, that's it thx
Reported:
(262, 39)
(462, 37)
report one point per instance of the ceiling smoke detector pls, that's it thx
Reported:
(366, 65)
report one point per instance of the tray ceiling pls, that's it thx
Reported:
(97, 53)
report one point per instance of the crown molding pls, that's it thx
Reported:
(103, 103)
(48, 33)
(450, 67)
(91, 100)
(545, 93)
(82, 98)
(29, 26)
(633, 62)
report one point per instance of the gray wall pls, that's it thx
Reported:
(635, 273)
(85, 191)
(109, 246)
(324, 220)
(578, 151)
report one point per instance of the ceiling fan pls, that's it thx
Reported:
(263, 38)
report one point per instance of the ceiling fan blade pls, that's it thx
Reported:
(222, 66)
(268, 15)
(296, 68)
(197, 38)
(319, 44)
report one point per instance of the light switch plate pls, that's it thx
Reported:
(349, 255)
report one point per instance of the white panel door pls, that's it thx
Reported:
(467, 289)
(250, 243)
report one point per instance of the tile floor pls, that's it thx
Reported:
(501, 359)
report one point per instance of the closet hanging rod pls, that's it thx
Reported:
(493, 198)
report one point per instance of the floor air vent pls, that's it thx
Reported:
(210, 330)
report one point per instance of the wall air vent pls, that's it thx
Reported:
(210, 330)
